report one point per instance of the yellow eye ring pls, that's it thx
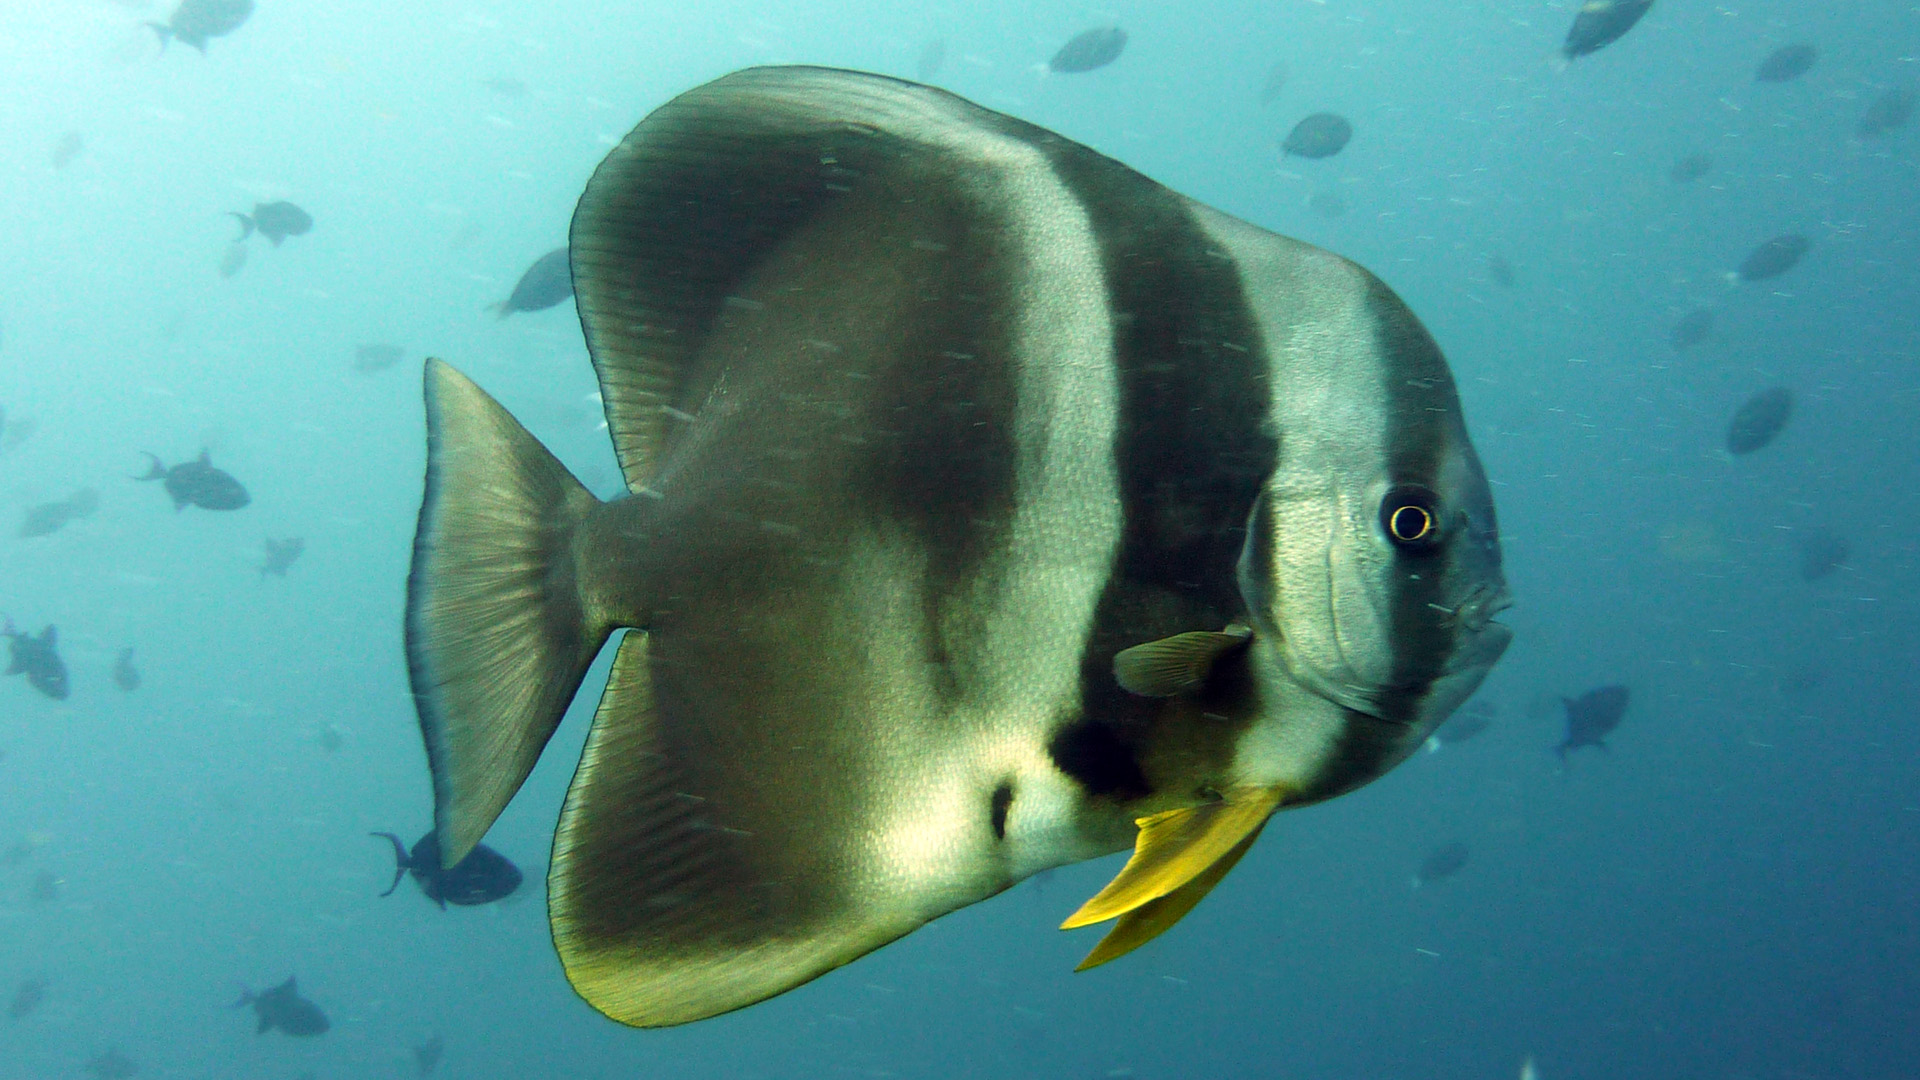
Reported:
(1410, 524)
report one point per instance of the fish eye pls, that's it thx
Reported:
(1409, 517)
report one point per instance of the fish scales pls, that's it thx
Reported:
(879, 588)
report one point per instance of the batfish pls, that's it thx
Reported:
(38, 658)
(1591, 717)
(1759, 419)
(1321, 135)
(1600, 23)
(195, 22)
(482, 877)
(989, 508)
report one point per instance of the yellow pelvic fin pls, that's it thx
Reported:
(1175, 665)
(1155, 917)
(1176, 847)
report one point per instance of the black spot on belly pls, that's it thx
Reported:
(1095, 756)
(1002, 802)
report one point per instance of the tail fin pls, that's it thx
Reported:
(500, 310)
(156, 472)
(165, 32)
(498, 636)
(400, 860)
(246, 225)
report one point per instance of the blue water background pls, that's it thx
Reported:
(1728, 892)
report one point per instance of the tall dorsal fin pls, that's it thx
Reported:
(695, 198)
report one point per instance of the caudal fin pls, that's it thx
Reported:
(498, 637)
(246, 225)
(400, 861)
(165, 32)
(156, 471)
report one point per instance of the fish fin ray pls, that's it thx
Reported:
(498, 635)
(1156, 917)
(1175, 847)
(1175, 665)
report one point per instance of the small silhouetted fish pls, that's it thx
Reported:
(125, 675)
(195, 22)
(1089, 49)
(1321, 135)
(1690, 168)
(427, 1054)
(932, 57)
(1327, 204)
(282, 1007)
(1821, 553)
(112, 1065)
(1890, 111)
(505, 86)
(38, 658)
(1693, 328)
(233, 258)
(275, 220)
(1600, 24)
(1276, 81)
(280, 555)
(1442, 863)
(1773, 258)
(1592, 716)
(49, 518)
(1786, 63)
(45, 888)
(27, 997)
(68, 148)
(482, 877)
(1759, 419)
(368, 359)
(198, 483)
(330, 738)
(1500, 270)
(547, 282)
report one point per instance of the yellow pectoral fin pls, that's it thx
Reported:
(1156, 917)
(1176, 847)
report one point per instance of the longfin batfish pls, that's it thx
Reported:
(990, 508)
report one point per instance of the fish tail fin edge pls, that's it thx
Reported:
(400, 866)
(156, 471)
(498, 634)
(165, 33)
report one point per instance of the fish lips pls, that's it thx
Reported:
(1423, 703)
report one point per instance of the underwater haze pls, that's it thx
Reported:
(1723, 889)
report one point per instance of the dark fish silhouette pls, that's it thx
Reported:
(330, 738)
(112, 1065)
(546, 283)
(1592, 716)
(482, 877)
(1276, 81)
(1327, 204)
(1889, 112)
(27, 997)
(68, 148)
(49, 518)
(282, 1007)
(1693, 328)
(371, 358)
(195, 22)
(125, 675)
(1089, 49)
(38, 658)
(45, 888)
(1442, 863)
(1690, 168)
(1321, 135)
(1821, 553)
(281, 554)
(198, 483)
(1759, 419)
(1500, 271)
(1773, 258)
(1600, 24)
(427, 1054)
(1786, 63)
(275, 220)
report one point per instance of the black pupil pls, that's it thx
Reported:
(1410, 523)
